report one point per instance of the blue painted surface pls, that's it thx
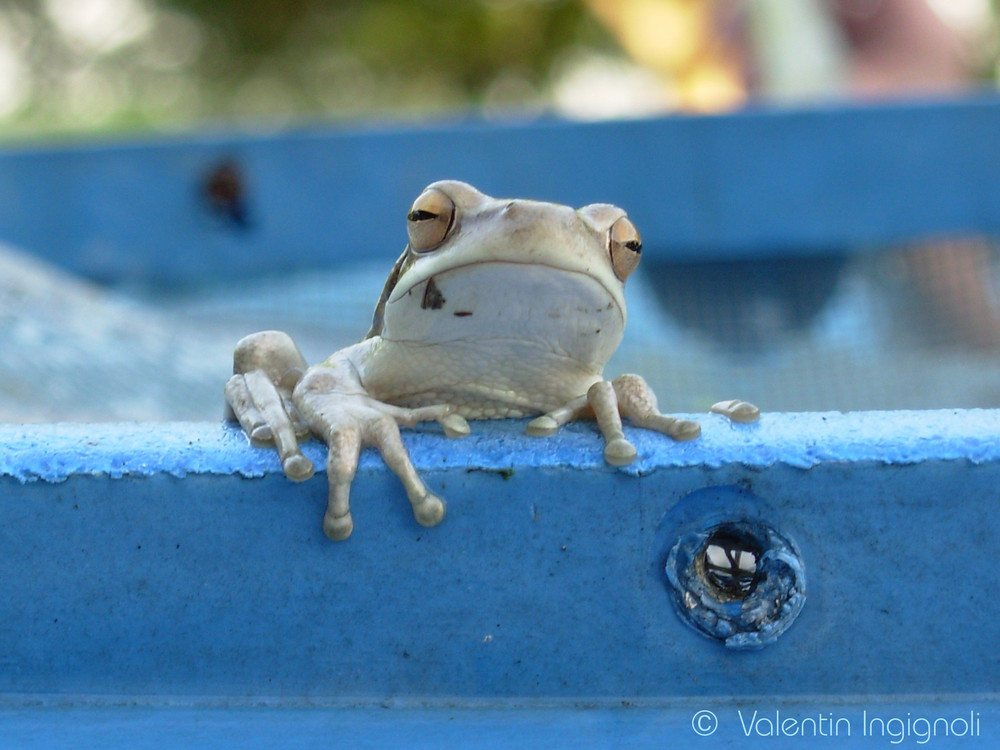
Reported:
(753, 184)
(545, 581)
(874, 723)
(56, 452)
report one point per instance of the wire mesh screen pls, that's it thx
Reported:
(914, 327)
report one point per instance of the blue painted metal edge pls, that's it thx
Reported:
(750, 184)
(868, 723)
(175, 561)
(55, 452)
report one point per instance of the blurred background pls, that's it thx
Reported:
(916, 326)
(71, 67)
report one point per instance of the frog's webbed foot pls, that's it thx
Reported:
(266, 368)
(345, 442)
(608, 402)
(631, 397)
(601, 403)
(348, 419)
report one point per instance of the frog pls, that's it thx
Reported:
(496, 309)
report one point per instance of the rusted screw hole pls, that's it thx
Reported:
(728, 563)
(733, 577)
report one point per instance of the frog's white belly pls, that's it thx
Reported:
(494, 340)
(470, 377)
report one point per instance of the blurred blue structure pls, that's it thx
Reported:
(755, 184)
(166, 584)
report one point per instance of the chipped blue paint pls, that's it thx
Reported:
(775, 593)
(54, 452)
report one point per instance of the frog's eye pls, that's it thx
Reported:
(625, 246)
(429, 220)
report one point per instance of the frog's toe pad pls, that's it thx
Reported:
(619, 452)
(298, 468)
(429, 511)
(684, 429)
(338, 528)
(455, 426)
(262, 433)
(736, 410)
(542, 426)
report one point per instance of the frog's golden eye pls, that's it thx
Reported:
(625, 246)
(430, 220)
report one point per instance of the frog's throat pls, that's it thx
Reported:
(612, 287)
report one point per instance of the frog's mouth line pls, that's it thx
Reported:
(435, 300)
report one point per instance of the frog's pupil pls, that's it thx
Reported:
(420, 215)
(635, 247)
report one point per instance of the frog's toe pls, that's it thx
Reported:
(736, 410)
(455, 426)
(684, 429)
(619, 452)
(298, 468)
(261, 432)
(429, 510)
(338, 528)
(542, 426)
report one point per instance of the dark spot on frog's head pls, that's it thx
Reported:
(433, 299)
(462, 313)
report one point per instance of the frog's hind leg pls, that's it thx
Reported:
(637, 401)
(603, 399)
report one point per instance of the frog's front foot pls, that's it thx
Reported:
(348, 419)
(276, 398)
(631, 397)
(266, 367)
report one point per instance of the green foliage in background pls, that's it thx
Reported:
(136, 64)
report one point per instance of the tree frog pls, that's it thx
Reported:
(495, 309)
